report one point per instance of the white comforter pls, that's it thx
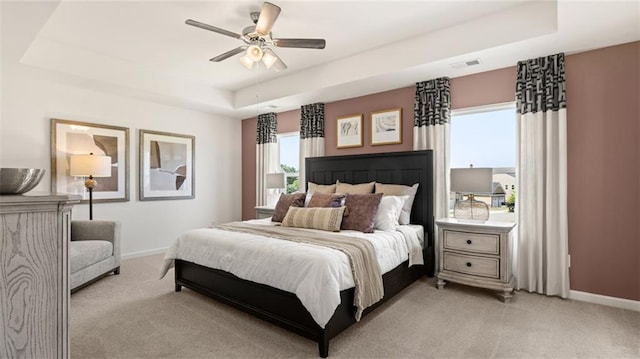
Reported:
(315, 274)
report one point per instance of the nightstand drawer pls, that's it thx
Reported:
(479, 266)
(473, 242)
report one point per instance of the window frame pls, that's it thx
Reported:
(481, 109)
(289, 174)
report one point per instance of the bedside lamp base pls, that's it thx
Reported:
(471, 210)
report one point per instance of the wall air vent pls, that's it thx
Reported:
(463, 64)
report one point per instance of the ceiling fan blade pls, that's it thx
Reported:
(267, 18)
(228, 54)
(212, 28)
(301, 43)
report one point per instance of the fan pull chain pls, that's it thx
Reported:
(257, 88)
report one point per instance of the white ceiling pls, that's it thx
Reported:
(145, 49)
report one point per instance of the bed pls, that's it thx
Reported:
(283, 308)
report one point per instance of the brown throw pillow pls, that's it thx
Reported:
(362, 209)
(286, 201)
(354, 188)
(326, 200)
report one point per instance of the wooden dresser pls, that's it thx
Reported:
(34, 288)
(476, 254)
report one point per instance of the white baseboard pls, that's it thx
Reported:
(605, 300)
(145, 253)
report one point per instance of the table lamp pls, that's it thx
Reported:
(90, 166)
(275, 181)
(469, 182)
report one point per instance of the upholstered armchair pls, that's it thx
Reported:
(94, 251)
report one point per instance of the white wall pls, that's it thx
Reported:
(30, 98)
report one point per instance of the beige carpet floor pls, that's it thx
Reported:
(136, 315)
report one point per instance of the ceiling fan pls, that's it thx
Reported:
(258, 40)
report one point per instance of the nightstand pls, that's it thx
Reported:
(264, 212)
(476, 254)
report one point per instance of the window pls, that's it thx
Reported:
(289, 158)
(486, 137)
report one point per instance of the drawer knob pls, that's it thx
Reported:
(468, 241)
(468, 264)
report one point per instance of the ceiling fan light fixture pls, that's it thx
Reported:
(257, 39)
(268, 59)
(279, 66)
(246, 61)
(254, 52)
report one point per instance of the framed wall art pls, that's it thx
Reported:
(349, 131)
(386, 127)
(83, 138)
(167, 166)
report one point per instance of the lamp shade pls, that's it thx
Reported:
(254, 52)
(269, 58)
(90, 165)
(472, 180)
(275, 180)
(247, 62)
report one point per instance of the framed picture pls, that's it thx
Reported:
(350, 132)
(167, 166)
(83, 138)
(386, 127)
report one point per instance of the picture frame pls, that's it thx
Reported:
(349, 131)
(167, 166)
(74, 138)
(386, 127)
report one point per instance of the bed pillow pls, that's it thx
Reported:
(318, 188)
(389, 212)
(354, 188)
(361, 211)
(286, 201)
(321, 188)
(326, 200)
(326, 219)
(400, 190)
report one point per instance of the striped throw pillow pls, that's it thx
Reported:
(323, 218)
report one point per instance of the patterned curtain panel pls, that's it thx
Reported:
(267, 156)
(431, 131)
(433, 103)
(311, 137)
(541, 205)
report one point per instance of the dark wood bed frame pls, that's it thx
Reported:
(284, 308)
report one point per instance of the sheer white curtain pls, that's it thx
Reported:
(542, 248)
(311, 137)
(267, 154)
(432, 131)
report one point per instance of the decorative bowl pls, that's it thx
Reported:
(19, 180)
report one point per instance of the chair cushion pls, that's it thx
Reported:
(85, 253)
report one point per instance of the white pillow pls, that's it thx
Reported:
(400, 190)
(388, 212)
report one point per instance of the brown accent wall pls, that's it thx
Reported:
(485, 88)
(603, 155)
(365, 105)
(249, 135)
(603, 135)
